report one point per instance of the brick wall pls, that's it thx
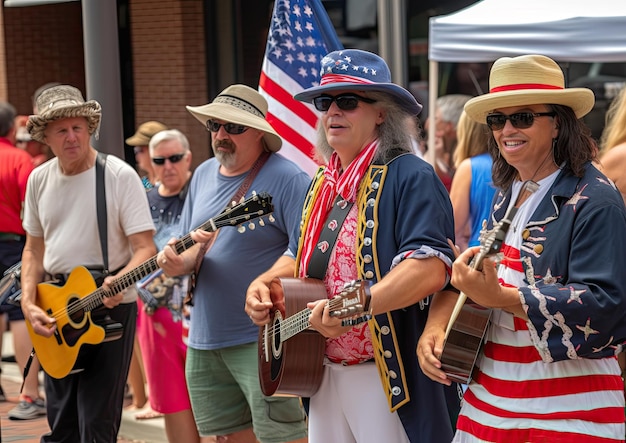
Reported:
(169, 69)
(43, 44)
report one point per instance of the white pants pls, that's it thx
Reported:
(351, 407)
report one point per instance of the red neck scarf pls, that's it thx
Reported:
(334, 183)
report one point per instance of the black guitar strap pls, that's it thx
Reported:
(101, 201)
(328, 238)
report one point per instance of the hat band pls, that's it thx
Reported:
(239, 103)
(340, 78)
(59, 102)
(522, 86)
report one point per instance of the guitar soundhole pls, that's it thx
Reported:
(76, 315)
(277, 347)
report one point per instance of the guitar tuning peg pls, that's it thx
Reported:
(271, 218)
(241, 229)
(254, 193)
(261, 222)
(251, 226)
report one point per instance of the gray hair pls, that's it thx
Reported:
(451, 106)
(7, 118)
(393, 135)
(167, 135)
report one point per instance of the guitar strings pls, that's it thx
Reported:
(95, 298)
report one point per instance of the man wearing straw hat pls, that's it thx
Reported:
(62, 232)
(221, 366)
(548, 369)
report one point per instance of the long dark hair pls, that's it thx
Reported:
(573, 148)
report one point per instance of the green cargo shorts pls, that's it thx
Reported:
(226, 397)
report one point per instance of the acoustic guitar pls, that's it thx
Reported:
(469, 321)
(77, 305)
(291, 355)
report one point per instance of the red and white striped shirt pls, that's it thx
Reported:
(517, 397)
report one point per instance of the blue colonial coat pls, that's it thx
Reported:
(574, 257)
(403, 207)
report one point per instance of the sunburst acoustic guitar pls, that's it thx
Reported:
(77, 304)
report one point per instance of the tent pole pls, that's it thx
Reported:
(433, 87)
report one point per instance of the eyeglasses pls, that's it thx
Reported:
(231, 128)
(172, 158)
(519, 120)
(345, 102)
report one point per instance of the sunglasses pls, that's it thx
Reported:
(519, 120)
(172, 158)
(345, 102)
(231, 128)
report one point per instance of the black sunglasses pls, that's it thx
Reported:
(231, 128)
(172, 158)
(345, 102)
(519, 120)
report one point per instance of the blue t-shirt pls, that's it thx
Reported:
(218, 318)
(481, 195)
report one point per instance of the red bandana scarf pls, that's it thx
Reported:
(334, 183)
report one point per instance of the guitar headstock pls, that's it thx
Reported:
(353, 300)
(254, 207)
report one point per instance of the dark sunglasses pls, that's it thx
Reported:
(172, 158)
(345, 102)
(519, 120)
(231, 128)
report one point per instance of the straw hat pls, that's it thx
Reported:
(144, 133)
(358, 70)
(528, 80)
(242, 105)
(60, 102)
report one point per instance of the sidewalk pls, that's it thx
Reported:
(29, 431)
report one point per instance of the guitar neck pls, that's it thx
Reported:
(149, 266)
(294, 324)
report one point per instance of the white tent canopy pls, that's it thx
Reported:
(565, 30)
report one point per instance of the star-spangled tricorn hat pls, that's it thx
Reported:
(358, 70)
(528, 80)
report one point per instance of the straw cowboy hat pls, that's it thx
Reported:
(60, 102)
(528, 80)
(242, 105)
(144, 133)
(358, 70)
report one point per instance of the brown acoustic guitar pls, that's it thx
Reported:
(291, 355)
(77, 306)
(469, 321)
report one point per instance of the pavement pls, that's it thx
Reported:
(29, 431)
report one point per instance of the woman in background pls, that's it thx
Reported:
(472, 188)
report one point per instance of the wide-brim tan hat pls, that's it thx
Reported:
(242, 105)
(145, 132)
(528, 80)
(60, 102)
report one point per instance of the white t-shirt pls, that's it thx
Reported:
(62, 210)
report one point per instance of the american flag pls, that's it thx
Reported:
(300, 35)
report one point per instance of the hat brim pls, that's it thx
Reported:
(581, 100)
(137, 140)
(231, 114)
(403, 97)
(90, 110)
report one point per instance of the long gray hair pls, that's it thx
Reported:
(396, 133)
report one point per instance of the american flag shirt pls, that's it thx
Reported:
(555, 378)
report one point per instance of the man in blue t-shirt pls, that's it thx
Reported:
(221, 367)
